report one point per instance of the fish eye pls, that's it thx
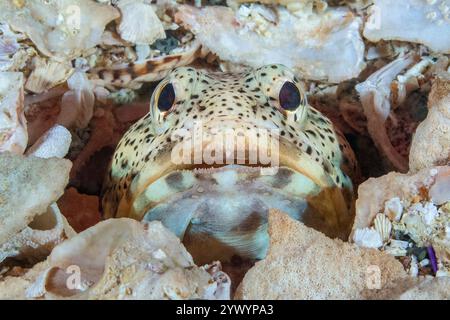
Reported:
(166, 97)
(289, 96)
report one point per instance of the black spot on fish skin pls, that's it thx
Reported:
(175, 180)
(282, 178)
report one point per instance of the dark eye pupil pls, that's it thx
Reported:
(166, 98)
(289, 96)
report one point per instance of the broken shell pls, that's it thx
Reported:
(374, 94)
(139, 24)
(439, 192)
(54, 143)
(415, 227)
(367, 238)
(8, 47)
(397, 248)
(77, 105)
(383, 226)
(47, 74)
(427, 22)
(115, 260)
(62, 29)
(13, 125)
(35, 242)
(324, 46)
(393, 208)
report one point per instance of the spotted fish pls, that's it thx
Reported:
(270, 149)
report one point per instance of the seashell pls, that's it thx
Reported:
(125, 259)
(428, 22)
(375, 98)
(429, 213)
(397, 248)
(63, 29)
(36, 240)
(47, 74)
(54, 143)
(383, 226)
(8, 47)
(393, 208)
(415, 227)
(139, 24)
(395, 251)
(368, 238)
(326, 46)
(77, 105)
(13, 125)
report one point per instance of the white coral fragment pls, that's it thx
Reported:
(54, 143)
(422, 21)
(62, 29)
(13, 125)
(367, 238)
(325, 46)
(139, 24)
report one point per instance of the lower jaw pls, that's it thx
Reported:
(225, 211)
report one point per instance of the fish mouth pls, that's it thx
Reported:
(225, 208)
(285, 155)
(220, 210)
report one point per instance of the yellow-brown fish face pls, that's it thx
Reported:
(216, 151)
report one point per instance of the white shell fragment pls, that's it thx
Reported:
(440, 191)
(8, 47)
(383, 226)
(325, 46)
(62, 29)
(77, 105)
(125, 259)
(47, 74)
(422, 21)
(54, 143)
(13, 125)
(368, 238)
(375, 98)
(38, 238)
(376, 193)
(393, 208)
(397, 248)
(139, 24)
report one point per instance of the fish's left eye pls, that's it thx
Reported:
(289, 96)
(166, 98)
